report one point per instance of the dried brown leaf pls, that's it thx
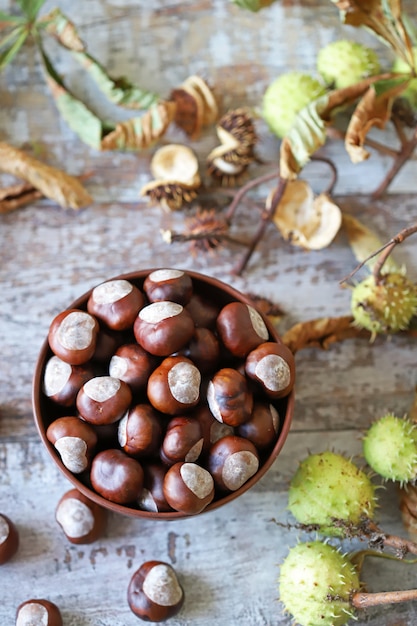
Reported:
(363, 242)
(374, 109)
(321, 332)
(15, 196)
(52, 182)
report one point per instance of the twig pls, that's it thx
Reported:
(362, 600)
(244, 190)
(385, 250)
(405, 153)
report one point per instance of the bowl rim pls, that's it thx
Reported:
(123, 509)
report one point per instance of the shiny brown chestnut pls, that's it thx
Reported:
(203, 311)
(108, 341)
(229, 398)
(188, 488)
(174, 386)
(74, 440)
(154, 592)
(38, 612)
(82, 520)
(212, 429)
(116, 476)
(103, 400)
(116, 303)
(241, 328)
(132, 364)
(168, 284)
(9, 539)
(263, 427)
(232, 461)
(152, 496)
(183, 440)
(73, 335)
(62, 381)
(163, 328)
(140, 431)
(203, 350)
(272, 365)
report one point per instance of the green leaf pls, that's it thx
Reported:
(8, 54)
(253, 5)
(391, 84)
(12, 19)
(31, 8)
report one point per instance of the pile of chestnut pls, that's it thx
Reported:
(164, 394)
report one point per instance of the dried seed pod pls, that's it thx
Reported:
(226, 171)
(196, 105)
(175, 170)
(236, 129)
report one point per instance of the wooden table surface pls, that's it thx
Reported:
(227, 560)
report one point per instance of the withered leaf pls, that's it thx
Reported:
(384, 18)
(52, 182)
(374, 109)
(321, 333)
(118, 90)
(134, 134)
(363, 242)
(307, 221)
(15, 196)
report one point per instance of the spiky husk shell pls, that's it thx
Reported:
(285, 97)
(410, 92)
(328, 487)
(344, 63)
(386, 306)
(312, 575)
(390, 448)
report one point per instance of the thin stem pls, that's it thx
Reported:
(266, 218)
(402, 157)
(361, 600)
(244, 190)
(389, 246)
(329, 162)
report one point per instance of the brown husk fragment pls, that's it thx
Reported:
(196, 106)
(321, 332)
(50, 181)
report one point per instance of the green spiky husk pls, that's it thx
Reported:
(344, 63)
(328, 487)
(285, 97)
(384, 307)
(312, 576)
(390, 448)
(410, 93)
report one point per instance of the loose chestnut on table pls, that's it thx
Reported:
(81, 520)
(154, 593)
(162, 395)
(38, 612)
(9, 539)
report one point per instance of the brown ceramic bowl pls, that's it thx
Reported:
(46, 411)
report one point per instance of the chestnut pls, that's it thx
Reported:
(108, 341)
(75, 440)
(152, 496)
(116, 476)
(154, 593)
(9, 539)
(203, 350)
(203, 311)
(132, 364)
(82, 520)
(273, 366)
(232, 461)
(188, 488)
(174, 386)
(140, 431)
(229, 397)
(62, 381)
(72, 336)
(212, 429)
(241, 328)
(168, 284)
(183, 440)
(263, 427)
(38, 613)
(116, 303)
(162, 328)
(103, 400)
